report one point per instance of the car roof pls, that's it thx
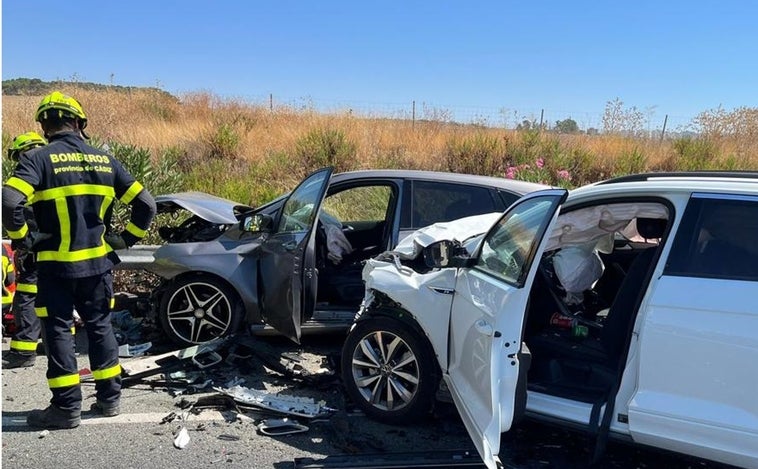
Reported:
(511, 185)
(687, 182)
(685, 175)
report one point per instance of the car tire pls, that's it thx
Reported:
(381, 352)
(197, 309)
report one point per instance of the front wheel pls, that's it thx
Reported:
(195, 310)
(389, 371)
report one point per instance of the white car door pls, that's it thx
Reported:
(487, 317)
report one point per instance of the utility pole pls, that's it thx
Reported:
(271, 102)
(413, 115)
(542, 116)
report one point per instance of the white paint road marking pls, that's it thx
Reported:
(150, 417)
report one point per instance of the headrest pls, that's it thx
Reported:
(650, 228)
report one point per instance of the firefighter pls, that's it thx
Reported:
(9, 278)
(73, 186)
(23, 348)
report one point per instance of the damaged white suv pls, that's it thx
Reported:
(626, 308)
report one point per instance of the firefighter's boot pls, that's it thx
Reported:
(53, 417)
(14, 359)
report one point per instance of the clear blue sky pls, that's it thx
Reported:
(567, 57)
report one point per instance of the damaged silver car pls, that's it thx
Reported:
(294, 264)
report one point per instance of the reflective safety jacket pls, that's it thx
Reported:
(9, 285)
(72, 186)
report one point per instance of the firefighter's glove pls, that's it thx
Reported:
(24, 260)
(116, 241)
(22, 244)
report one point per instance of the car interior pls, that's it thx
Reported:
(364, 217)
(354, 225)
(586, 294)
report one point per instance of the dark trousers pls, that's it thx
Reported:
(28, 327)
(91, 297)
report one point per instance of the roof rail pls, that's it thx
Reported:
(682, 175)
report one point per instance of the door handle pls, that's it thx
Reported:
(483, 327)
(290, 245)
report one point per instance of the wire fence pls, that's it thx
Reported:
(654, 121)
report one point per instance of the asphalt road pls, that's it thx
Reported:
(227, 438)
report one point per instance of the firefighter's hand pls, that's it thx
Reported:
(24, 260)
(22, 244)
(116, 241)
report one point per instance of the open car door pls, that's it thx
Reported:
(487, 318)
(287, 264)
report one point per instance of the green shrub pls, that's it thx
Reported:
(224, 142)
(325, 147)
(730, 163)
(478, 154)
(161, 177)
(630, 162)
(694, 153)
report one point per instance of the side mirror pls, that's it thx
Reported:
(445, 253)
(256, 223)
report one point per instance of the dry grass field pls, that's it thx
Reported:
(252, 153)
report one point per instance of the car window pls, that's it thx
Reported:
(507, 248)
(508, 198)
(364, 203)
(433, 202)
(298, 213)
(717, 239)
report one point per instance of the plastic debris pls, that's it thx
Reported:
(234, 382)
(283, 426)
(44, 433)
(292, 405)
(125, 327)
(182, 439)
(137, 350)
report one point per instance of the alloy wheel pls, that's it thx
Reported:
(385, 370)
(198, 312)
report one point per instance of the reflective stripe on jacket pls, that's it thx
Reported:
(73, 186)
(8, 277)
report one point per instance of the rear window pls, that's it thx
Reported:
(717, 239)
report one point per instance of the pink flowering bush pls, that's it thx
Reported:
(539, 172)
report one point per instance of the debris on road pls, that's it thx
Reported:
(182, 439)
(131, 351)
(290, 405)
(277, 427)
(153, 365)
(453, 459)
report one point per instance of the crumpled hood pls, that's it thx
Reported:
(461, 230)
(206, 206)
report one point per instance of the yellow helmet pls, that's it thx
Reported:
(66, 106)
(25, 142)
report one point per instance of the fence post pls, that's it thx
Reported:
(663, 131)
